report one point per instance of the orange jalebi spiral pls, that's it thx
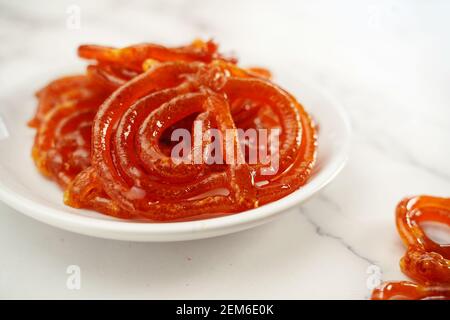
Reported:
(67, 107)
(154, 90)
(425, 261)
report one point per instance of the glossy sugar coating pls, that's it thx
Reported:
(128, 103)
(425, 261)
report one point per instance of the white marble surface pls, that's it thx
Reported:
(386, 61)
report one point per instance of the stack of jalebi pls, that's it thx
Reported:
(425, 261)
(105, 136)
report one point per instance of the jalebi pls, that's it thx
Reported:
(106, 137)
(425, 261)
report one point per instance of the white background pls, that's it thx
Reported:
(387, 62)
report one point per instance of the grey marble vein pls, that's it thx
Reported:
(341, 241)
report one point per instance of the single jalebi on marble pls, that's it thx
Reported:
(425, 261)
(106, 136)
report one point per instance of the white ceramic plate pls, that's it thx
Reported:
(23, 188)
